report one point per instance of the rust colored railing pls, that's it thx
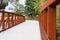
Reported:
(47, 20)
(9, 19)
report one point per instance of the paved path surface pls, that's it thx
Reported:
(28, 30)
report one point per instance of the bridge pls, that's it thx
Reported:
(47, 21)
(14, 27)
(28, 30)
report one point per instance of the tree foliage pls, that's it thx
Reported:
(19, 8)
(2, 5)
(32, 7)
(58, 22)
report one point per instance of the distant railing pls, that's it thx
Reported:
(47, 20)
(9, 19)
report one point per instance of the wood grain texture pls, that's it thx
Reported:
(47, 20)
(10, 20)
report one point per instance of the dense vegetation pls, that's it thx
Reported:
(19, 8)
(58, 22)
(33, 5)
(3, 5)
(32, 8)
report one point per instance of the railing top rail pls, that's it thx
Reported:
(6, 11)
(50, 3)
(9, 19)
(2, 11)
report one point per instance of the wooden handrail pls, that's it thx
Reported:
(50, 3)
(47, 20)
(11, 19)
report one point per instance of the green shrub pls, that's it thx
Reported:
(2, 6)
(58, 22)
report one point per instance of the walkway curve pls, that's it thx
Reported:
(29, 30)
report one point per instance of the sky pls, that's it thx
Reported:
(11, 6)
(22, 2)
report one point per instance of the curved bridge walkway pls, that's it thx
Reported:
(28, 30)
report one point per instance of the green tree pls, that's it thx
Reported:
(2, 5)
(19, 8)
(33, 7)
(58, 22)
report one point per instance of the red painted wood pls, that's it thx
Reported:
(47, 20)
(47, 3)
(50, 3)
(8, 20)
(3, 28)
(42, 30)
(11, 19)
(15, 20)
(51, 23)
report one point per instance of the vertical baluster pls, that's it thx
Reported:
(12, 20)
(23, 18)
(3, 21)
(19, 18)
(45, 20)
(16, 19)
(8, 20)
(51, 23)
(43, 32)
(0, 21)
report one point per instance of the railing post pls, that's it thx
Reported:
(17, 19)
(3, 28)
(12, 20)
(8, 20)
(0, 20)
(45, 20)
(42, 28)
(51, 23)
